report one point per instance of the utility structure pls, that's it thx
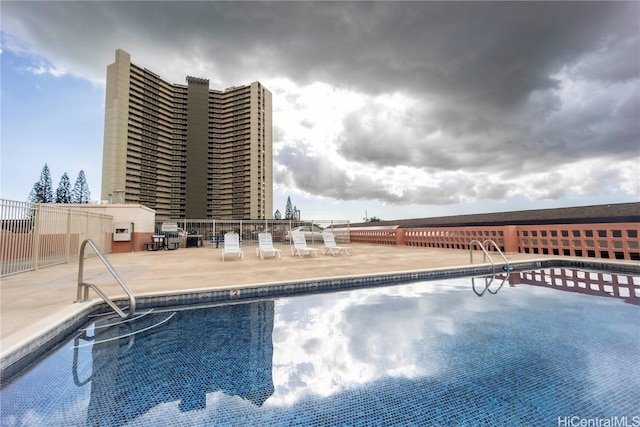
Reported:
(185, 150)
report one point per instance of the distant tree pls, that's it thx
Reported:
(47, 185)
(277, 215)
(29, 212)
(42, 191)
(288, 212)
(35, 196)
(374, 219)
(63, 193)
(81, 193)
(296, 213)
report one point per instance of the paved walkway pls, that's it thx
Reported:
(32, 302)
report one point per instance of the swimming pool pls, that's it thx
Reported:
(533, 348)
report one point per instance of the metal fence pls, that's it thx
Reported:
(36, 235)
(211, 231)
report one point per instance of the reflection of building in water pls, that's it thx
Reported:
(626, 287)
(225, 348)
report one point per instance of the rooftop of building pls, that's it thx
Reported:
(619, 212)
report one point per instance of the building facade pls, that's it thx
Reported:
(187, 151)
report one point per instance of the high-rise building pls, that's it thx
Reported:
(187, 151)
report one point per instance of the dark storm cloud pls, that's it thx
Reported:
(613, 62)
(494, 53)
(370, 137)
(489, 53)
(476, 141)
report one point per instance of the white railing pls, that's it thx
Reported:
(37, 235)
(210, 229)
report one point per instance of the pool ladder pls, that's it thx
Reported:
(488, 281)
(83, 287)
(506, 266)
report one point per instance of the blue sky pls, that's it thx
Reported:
(394, 110)
(48, 119)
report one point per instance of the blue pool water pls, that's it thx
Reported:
(527, 351)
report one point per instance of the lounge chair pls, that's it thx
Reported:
(300, 247)
(330, 244)
(232, 245)
(265, 246)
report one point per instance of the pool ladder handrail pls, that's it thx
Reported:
(488, 281)
(486, 253)
(82, 285)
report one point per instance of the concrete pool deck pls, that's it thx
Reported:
(34, 301)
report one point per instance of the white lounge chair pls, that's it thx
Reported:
(265, 246)
(330, 244)
(232, 245)
(300, 247)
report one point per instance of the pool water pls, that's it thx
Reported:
(454, 352)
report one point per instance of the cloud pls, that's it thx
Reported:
(320, 175)
(577, 121)
(45, 69)
(496, 52)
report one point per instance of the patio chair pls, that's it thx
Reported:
(330, 244)
(300, 247)
(232, 245)
(265, 246)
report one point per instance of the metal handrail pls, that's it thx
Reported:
(487, 284)
(497, 249)
(486, 253)
(84, 296)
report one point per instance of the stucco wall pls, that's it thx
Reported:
(142, 217)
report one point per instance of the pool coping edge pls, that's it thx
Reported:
(22, 353)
